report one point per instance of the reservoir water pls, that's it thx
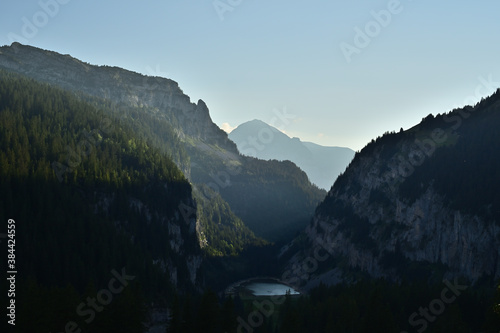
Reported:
(261, 287)
(270, 289)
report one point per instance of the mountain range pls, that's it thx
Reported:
(158, 109)
(111, 175)
(105, 168)
(321, 164)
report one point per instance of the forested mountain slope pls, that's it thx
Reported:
(157, 109)
(89, 198)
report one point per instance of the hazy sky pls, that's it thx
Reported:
(346, 71)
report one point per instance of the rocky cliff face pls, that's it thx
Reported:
(390, 212)
(161, 96)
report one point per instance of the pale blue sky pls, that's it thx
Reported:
(428, 57)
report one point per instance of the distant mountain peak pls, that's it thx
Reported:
(256, 121)
(258, 124)
(322, 164)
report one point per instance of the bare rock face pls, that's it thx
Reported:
(157, 95)
(424, 231)
(380, 218)
(184, 264)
